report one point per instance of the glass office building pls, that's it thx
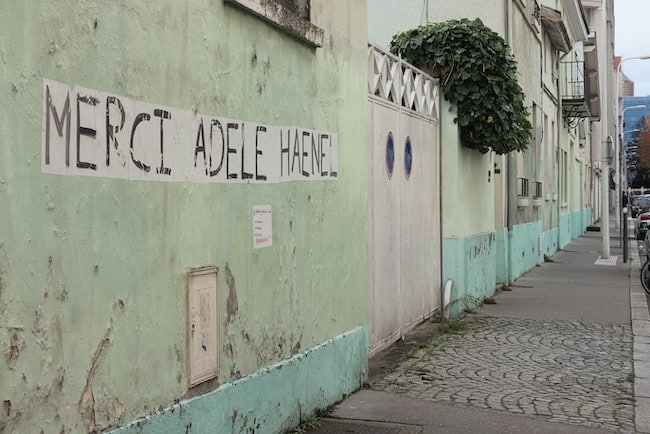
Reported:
(633, 119)
(634, 116)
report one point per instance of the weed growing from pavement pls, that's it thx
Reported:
(419, 370)
(453, 326)
(307, 425)
(431, 348)
(412, 353)
(400, 387)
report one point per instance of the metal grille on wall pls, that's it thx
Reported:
(395, 80)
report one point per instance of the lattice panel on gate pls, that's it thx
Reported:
(395, 80)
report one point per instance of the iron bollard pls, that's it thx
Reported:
(624, 230)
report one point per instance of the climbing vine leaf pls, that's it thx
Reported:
(478, 74)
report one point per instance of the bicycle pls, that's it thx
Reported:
(645, 269)
(645, 276)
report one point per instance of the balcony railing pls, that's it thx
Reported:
(575, 91)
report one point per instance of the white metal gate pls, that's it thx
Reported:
(404, 197)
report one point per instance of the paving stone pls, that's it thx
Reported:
(641, 387)
(640, 313)
(641, 328)
(568, 371)
(642, 368)
(642, 415)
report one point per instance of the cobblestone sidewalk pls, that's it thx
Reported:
(565, 371)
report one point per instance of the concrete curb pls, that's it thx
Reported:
(641, 344)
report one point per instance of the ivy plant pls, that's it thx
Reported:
(478, 74)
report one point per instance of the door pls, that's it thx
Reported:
(404, 199)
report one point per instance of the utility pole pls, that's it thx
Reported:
(604, 196)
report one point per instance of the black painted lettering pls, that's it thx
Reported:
(258, 152)
(200, 148)
(139, 118)
(244, 174)
(303, 153)
(112, 130)
(162, 114)
(296, 152)
(315, 155)
(216, 123)
(284, 151)
(84, 131)
(58, 122)
(333, 173)
(321, 137)
(230, 126)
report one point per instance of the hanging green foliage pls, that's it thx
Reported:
(478, 74)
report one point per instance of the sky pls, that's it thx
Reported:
(632, 26)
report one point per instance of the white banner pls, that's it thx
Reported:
(91, 133)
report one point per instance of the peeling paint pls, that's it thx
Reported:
(228, 350)
(63, 294)
(232, 305)
(4, 271)
(87, 400)
(40, 329)
(179, 363)
(16, 346)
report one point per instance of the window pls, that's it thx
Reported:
(292, 16)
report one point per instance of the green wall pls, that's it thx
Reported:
(93, 311)
(467, 182)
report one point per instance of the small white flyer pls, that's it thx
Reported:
(262, 226)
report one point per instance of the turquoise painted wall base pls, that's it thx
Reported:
(564, 229)
(477, 263)
(549, 243)
(470, 262)
(572, 225)
(273, 399)
(502, 253)
(524, 248)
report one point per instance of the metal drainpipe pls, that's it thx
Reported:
(511, 185)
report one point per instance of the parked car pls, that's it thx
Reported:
(641, 225)
(639, 204)
(641, 209)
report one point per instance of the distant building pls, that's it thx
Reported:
(627, 85)
(633, 119)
